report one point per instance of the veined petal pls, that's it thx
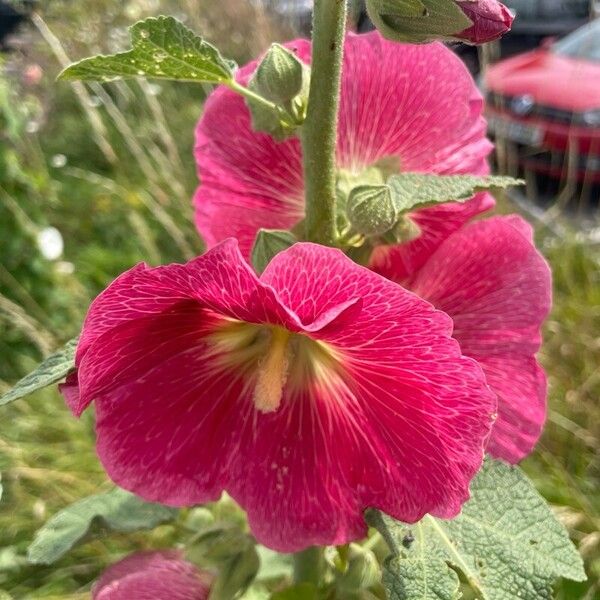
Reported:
(497, 288)
(417, 104)
(160, 575)
(364, 397)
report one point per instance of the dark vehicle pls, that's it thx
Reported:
(548, 17)
(546, 104)
(10, 19)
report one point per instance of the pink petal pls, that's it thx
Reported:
(162, 575)
(491, 20)
(399, 424)
(247, 179)
(417, 103)
(497, 288)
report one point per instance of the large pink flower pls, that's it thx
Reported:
(309, 394)
(497, 288)
(416, 104)
(161, 575)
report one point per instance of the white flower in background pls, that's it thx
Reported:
(50, 243)
(58, 161)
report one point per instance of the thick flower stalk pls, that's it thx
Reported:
(157, 575)
(308, 394)
(402, 108)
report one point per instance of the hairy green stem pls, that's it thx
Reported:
(309, 565)
(319, 132)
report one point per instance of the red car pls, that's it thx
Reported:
(547, 103)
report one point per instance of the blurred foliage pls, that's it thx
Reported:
(119, 192)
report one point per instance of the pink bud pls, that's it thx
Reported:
(491, 20)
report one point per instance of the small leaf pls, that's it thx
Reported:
(54, 368)
(506, 542)
(411, 191)
(371, 209)
(268, 243)
(418, 21)
(162, 48)
(118, 510)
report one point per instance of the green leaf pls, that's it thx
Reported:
(162, 48)
(117, 510)
(412, 191)
(506, 542)
(54, 368)
(418, 20)
(267, 244)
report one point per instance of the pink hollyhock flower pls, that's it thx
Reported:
(163, 575)
(417, 105)
(497, 288)
(308, 394)
(491, 20)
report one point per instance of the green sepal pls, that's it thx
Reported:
(116, 510)
(162, 48)
(362, 571)
(231, 553)
(371, 210)
(418, 21)
(279, 75)
(51, 370)
(506, 543)
(267, 244)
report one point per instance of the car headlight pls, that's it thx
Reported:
(591, 118)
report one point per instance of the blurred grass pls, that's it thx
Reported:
(128, 199)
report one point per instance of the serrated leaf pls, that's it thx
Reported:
(267, 244)
(411, 191)
(405, 20)
(54, 368)
(162, 48)
(506, 542)
(117, 510)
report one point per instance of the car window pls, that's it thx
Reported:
(583, 43)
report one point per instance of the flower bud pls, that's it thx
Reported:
(371, 209)
(279, 75)
(419, 21)
(491, 20)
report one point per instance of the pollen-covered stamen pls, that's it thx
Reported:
(273, 372)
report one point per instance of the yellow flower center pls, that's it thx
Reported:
(273, 372)
(272, 360)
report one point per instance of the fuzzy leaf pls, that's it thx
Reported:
(162, 48)
(412, 191)
(506, 542)
(267, 244)
(417, 20)
(117, 510)
(54, 368)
